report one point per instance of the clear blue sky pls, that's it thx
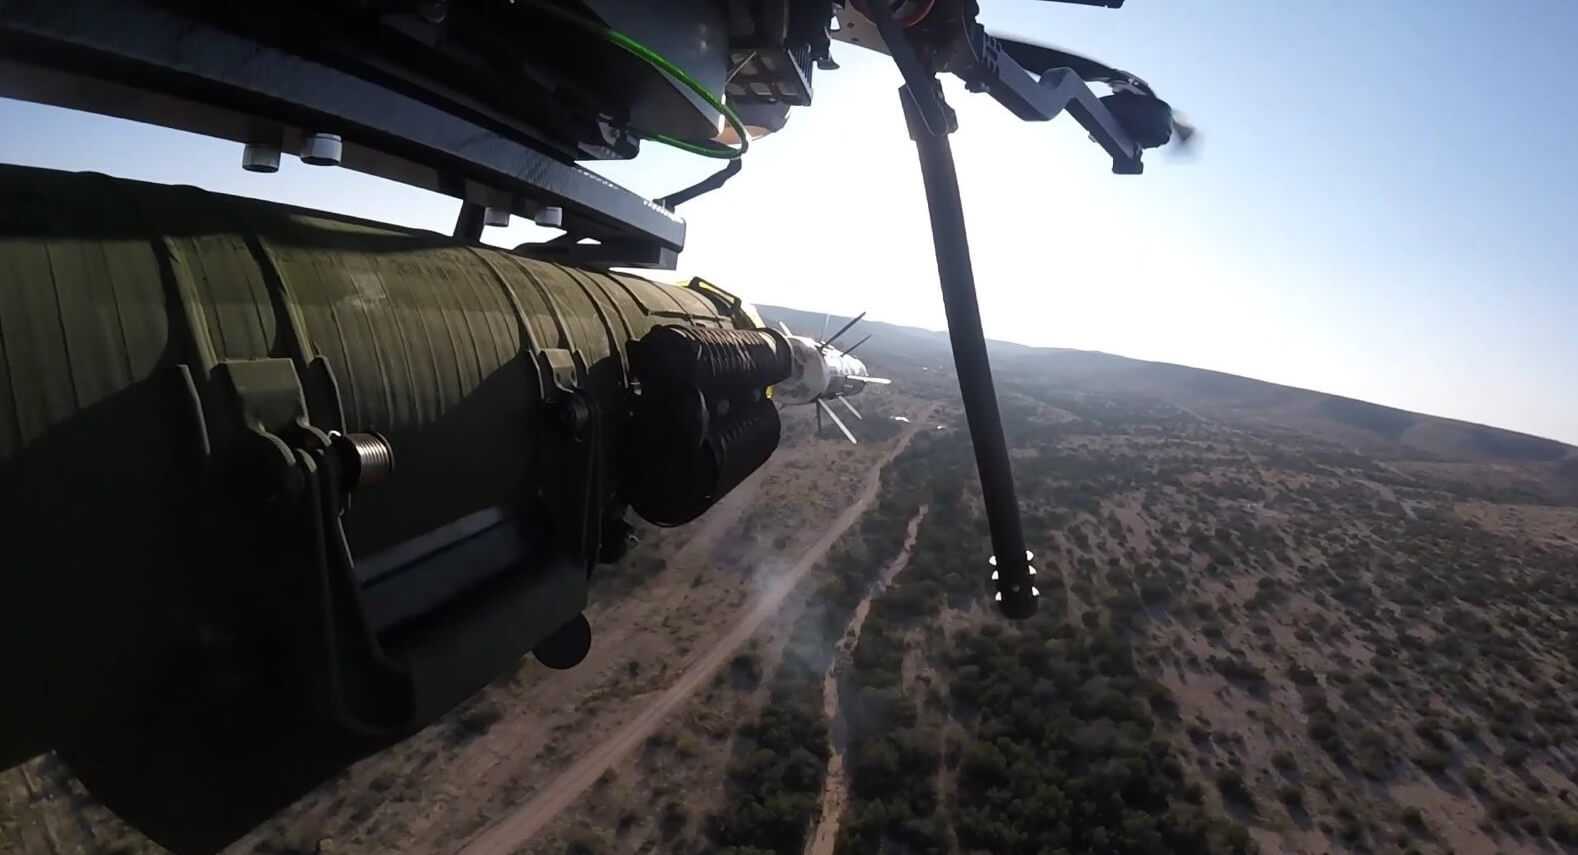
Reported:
(1383, 204)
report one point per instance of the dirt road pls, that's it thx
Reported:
(835, 788)
(507, 834)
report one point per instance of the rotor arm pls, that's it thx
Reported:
(1035, 82)
(986, 67)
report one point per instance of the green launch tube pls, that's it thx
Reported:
(280, 487)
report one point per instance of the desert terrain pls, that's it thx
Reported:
(1271, 620)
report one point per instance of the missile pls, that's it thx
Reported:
(282, 487)
(820, 373)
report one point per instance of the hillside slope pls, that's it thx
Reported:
(1332, 656)
(1503, 463)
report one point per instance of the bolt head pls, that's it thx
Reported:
(260, 157)
(322, 150)
(549, 216)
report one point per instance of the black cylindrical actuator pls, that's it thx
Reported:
(1014, 578)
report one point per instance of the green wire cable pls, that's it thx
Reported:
(663, 64)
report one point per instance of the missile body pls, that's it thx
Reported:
(281, 487)
(820, 372)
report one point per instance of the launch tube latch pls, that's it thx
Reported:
(311, 599)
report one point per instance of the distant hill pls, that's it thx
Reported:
(1451, 448)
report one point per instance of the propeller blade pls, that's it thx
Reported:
(851, 407)
(825, 318)
(836, 420)
(880, 381)
(785, 327)
(1184, 131)
(841, 330)
(819, 421)
(857, 344)
(1038, 59)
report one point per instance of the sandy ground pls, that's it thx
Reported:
(494, 762)
(428, 793)
(515, 828)
(835, 788)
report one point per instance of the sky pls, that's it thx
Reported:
(1380, 205)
